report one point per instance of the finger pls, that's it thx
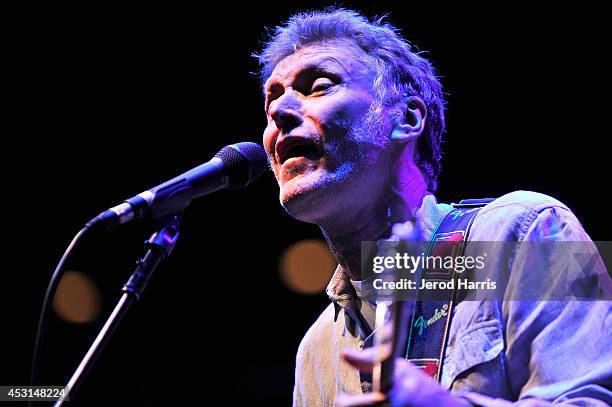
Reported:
(366, 359)
(404, 367)
(404, 231)
(350, 400)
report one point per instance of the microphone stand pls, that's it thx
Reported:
(159, 246)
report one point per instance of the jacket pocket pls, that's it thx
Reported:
(476, 344)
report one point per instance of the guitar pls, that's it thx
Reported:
(392, 314)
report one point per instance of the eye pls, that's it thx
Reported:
(321, 84)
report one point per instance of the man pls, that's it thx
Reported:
(355, 122)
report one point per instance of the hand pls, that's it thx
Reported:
(411, 386)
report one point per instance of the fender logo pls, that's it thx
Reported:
(421, 323)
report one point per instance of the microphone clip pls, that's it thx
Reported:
(159, 246)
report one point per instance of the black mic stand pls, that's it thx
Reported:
(159, 246)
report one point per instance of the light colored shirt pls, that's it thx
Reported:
(499, 352)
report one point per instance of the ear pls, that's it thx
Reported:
(411, 122)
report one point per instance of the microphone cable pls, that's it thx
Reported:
(46, 305)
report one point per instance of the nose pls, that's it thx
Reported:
(285, 112)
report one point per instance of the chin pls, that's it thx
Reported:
(305, 198)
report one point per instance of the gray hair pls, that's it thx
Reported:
(399, 71)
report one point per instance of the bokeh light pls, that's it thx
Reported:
(307, 266)
(77, 299)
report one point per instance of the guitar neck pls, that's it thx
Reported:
(391, 335)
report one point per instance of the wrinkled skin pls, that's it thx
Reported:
(324, 93)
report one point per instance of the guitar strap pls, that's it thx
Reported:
(430, 321)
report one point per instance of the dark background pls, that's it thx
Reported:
(110, 101)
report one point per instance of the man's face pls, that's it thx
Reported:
(324, 140)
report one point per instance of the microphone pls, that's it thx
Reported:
(234, 166)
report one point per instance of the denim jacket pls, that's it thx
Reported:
(498, 352)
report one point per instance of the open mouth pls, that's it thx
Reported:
(295, 146)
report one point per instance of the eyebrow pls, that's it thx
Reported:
(323, 66)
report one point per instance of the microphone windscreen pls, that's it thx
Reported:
(243, 163)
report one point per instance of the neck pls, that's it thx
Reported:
(404, 196)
